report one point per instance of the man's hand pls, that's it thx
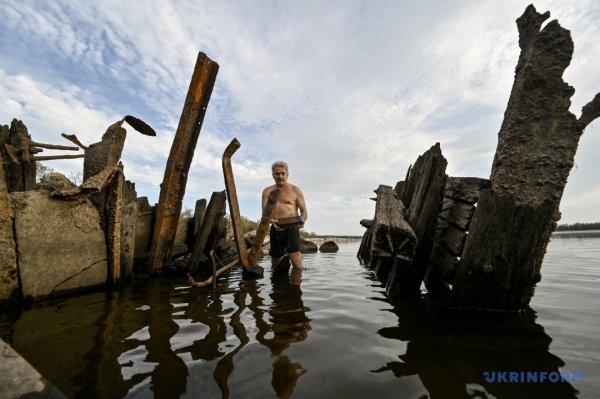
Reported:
(275, 224)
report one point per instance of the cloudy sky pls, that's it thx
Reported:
(348, 92)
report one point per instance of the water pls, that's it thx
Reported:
(334, 336)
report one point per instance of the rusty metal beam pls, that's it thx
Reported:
(180, 158)
(234, 208)
(51, 157)
(263, 227)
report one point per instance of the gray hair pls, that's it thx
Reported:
(278, 164)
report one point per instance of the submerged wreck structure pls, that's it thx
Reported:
(479, 243)
(56, 237)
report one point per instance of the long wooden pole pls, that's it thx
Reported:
(178, 165)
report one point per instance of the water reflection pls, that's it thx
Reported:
(289, 325)
(451, 353)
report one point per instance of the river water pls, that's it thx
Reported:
(336, 335)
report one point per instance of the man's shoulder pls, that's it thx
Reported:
(269, 189)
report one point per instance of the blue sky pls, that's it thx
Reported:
(349, 93)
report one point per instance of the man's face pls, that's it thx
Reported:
(280, 175)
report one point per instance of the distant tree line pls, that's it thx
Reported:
(578, 226)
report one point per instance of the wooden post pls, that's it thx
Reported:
(114, 226)
(8, 255)
(214, 213)
(537, 142)
(180, 158)
(422, 194)
(19, 168)
(263, 227)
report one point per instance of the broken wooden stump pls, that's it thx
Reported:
(17, 162)
(537, 142)
(393, 241)
(210, 224)
(421, 193)
(180, 158)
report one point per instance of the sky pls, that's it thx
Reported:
(348, 92)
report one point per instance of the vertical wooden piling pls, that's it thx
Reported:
(180, 158)
(537, 142)
(214, 213)
(8, 254)
(18, 164)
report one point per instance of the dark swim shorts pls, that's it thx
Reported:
(282, 240)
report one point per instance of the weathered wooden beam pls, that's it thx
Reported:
(8, 254)
(392, 235)
(180, 158)
(423, 191)
(14, 146)
(535, 153)
(214, 213)
(263, 226)
(114, 227)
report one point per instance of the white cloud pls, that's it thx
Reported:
(348, 92)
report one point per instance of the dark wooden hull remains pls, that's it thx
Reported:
(480, 243)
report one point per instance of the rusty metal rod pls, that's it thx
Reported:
(53, 146)
(234, 208)
(51, 157)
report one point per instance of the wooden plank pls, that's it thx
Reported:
(263, 226)
(453, 240)
(180, 158)
(456, 213)
(465, 189)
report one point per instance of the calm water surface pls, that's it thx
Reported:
(334, 336)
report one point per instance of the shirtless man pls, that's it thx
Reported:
(291, 200)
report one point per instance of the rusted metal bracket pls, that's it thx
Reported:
(263, 227)
(234, 207)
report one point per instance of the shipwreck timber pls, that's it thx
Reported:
(481, 243)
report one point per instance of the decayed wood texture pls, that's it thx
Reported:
(422, 194)
(392, 240)
(8, 253)
(234, 208)
(180, 158)
(364, 251)
(212, 217)
(393, 237)
(263, 227)
(114, 227)
(536, 148)
(460, 196)
(19, 166)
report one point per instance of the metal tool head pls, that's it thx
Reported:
(139, 125)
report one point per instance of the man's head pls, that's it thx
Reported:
(280, 172)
